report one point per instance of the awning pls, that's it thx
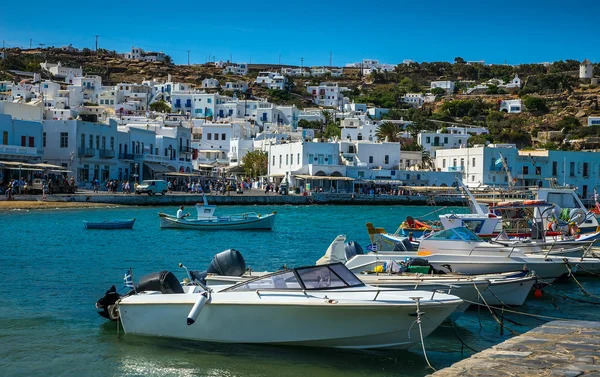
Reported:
(206, 166)
(277, 175)
(324, 177)
(157, 168)
(177, 174)
(212, 150)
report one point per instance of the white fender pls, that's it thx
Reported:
(196, 309)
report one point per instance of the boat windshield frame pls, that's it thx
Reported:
(328, 277)
(460, 233)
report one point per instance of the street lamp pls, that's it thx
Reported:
(135, 175)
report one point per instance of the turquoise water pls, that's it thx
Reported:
(54, 271)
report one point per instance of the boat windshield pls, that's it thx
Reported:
(332, 276)
(460, 233)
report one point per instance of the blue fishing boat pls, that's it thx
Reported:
(110, 224)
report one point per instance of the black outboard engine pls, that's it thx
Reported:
(164, 281)
(418, 262)
(227, 263)
(352, 248)
(106, 303)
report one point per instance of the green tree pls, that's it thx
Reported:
(160, 106)
(459, 60)
(332, 130)
(255, 163)
(535, 103)
(168, 60)
(438, 91)
(388, 130)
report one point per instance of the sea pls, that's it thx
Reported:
(54, 270)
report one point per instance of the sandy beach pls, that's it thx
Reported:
(6, 205)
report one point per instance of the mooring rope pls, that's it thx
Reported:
(549, 318)
(460, 340)
(502, 325)
(583, 290)
(564, 296)
(418, 322)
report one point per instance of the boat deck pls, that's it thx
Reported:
(557, 348)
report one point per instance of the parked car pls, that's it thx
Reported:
(151, 187)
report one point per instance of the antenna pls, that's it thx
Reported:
(188, 51)
(96, 42)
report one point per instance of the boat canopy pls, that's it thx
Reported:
(330, 276)
(460, 233)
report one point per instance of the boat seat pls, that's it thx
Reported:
(279, 282)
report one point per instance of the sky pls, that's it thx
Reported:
(284, 32)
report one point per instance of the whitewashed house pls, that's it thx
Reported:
(513, 106)
(328, 94)
(236, 69)
(448, 86)
(593, 121)
(236, 86)
(210, 83)
(434, 141)
(22, 141)
(271, 80)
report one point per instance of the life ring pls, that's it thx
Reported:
(577, 216)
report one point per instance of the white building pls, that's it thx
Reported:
(434, 141)
(210, 83)
(512, 106)
(236, 69)
(138, 53)
(448, 86)
(586, 70)
(271, 80)
(482, 165)
(370, 65)
(593, 121)
(327, 94)
(377, 112)
(236, 86)
(414, 99)
(63, 72)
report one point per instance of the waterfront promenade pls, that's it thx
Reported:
(254, 197)
(557, 348)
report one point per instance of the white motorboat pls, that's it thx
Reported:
(321, 306)
(459, 250)
(511, 289)
(206, 220)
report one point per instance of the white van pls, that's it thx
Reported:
(152, 187)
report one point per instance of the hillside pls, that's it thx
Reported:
(556, 98)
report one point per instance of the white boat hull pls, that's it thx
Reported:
(512, 291)
(320, 323)
(265, 222)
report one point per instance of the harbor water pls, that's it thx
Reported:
(53, 271)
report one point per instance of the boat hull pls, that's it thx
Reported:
(330, 324)
(266, 222)
(511, 291)
(116, 224)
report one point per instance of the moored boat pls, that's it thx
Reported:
(109, 224)
(205, 220)
(320, 306)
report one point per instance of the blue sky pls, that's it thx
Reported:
(285, 31)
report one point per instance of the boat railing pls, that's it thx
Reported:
(376, 291)
(487, 249)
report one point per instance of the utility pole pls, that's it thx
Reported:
(30, 41)
(188, 51)
(96, 42)
(330, 56)
(3, 50)
(42, 45)
(301, 63)
(230, 58)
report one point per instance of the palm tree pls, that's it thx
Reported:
(388, 130)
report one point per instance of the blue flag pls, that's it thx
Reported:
(128, 279)
(372, 247)
(499, 161)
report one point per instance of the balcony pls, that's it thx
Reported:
(86, 152)
(125, 156)
(456, 168)
(107, 153)
(184, 149)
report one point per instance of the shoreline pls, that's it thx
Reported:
(103, 199)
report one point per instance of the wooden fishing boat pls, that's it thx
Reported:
(109, 224)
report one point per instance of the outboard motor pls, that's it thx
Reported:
(352, 248)
(164, 281)
(227, 263)
(106, 303)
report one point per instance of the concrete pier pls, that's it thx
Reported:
(251, 198)
(557, 348)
